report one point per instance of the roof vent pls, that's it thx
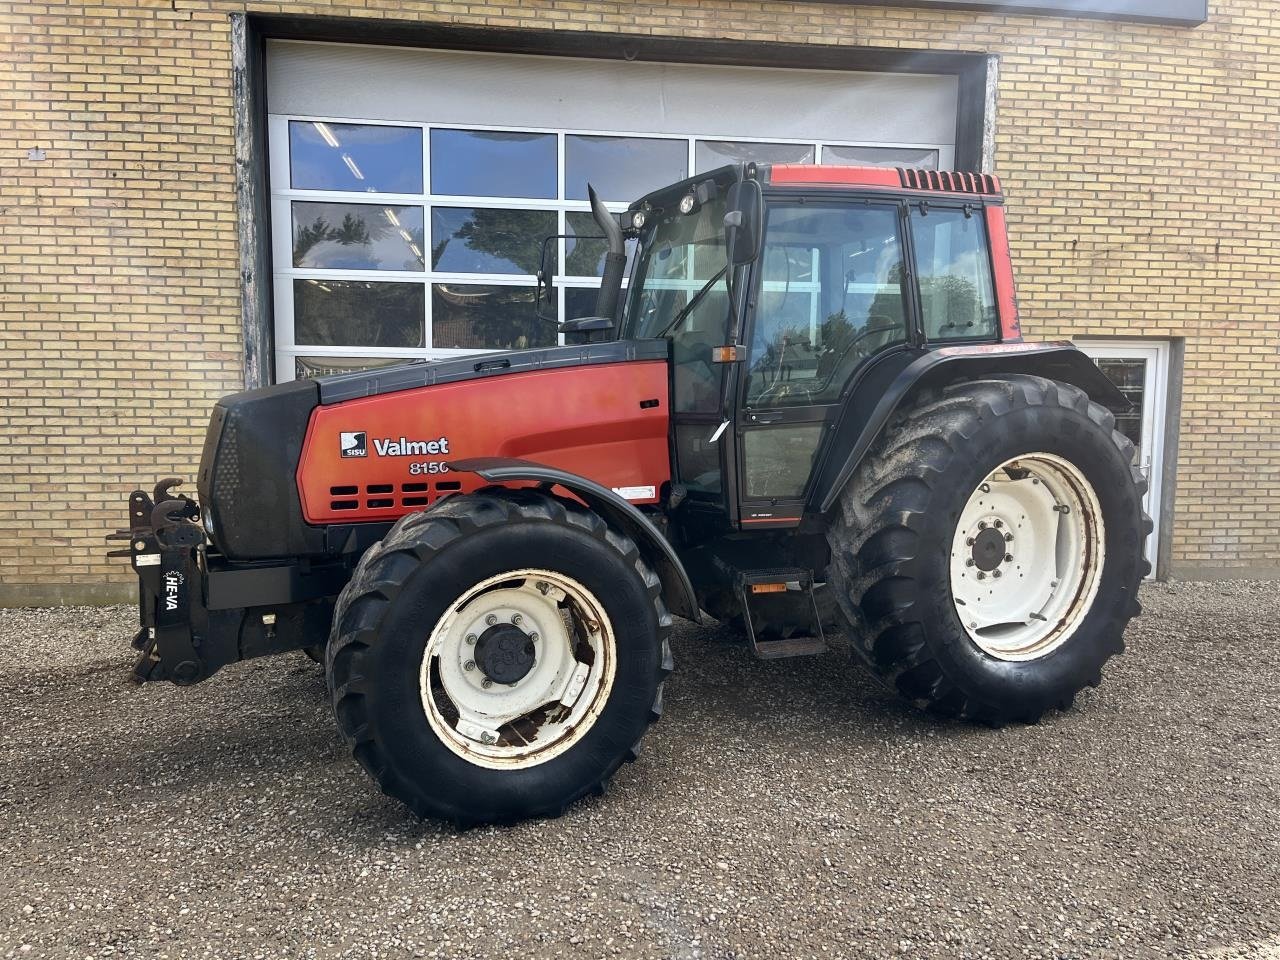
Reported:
(948, 181)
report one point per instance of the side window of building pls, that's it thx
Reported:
(830, 297)
(953, 262)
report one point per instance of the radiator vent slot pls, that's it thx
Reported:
(345, 505)
(343, 491)
(380, 488)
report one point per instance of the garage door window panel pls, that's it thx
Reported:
(353, 157)
(359, 313)
(489, 240)
(357, 236)
(487, 317)
(710, 154)
(494, 163)
(622, 168)
(869, 156)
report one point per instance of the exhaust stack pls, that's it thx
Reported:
(615, 261)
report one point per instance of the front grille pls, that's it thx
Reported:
(382, 496)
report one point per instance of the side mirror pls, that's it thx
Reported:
(743, 222)
(545, 297)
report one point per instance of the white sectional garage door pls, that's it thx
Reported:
(410, 189)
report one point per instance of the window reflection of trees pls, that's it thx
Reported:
(359, 313)
(470, 316)
(357, 238)
(503, 241)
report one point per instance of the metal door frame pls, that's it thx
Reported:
(1155, 389)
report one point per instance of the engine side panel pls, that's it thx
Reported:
(379, 457)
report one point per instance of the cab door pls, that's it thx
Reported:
(831, 294)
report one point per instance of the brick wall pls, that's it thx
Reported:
(1140, 161)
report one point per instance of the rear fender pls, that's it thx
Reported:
(677, 590)
(1060, 360)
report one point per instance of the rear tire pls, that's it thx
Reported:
(899, 546)
(427, 699)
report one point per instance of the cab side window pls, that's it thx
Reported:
(957, 299)
(830, 296)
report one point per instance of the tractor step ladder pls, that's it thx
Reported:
(758, 586)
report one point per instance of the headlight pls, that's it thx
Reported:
(637, 219)
(687, 203)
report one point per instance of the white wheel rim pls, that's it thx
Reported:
(1028, 600)
(568, 649)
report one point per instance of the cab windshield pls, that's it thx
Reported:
(679, 283)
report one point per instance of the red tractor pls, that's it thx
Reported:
(810, 404)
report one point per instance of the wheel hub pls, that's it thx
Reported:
(518, 669)
(1027, 556)
(988, 549)
(505, 653)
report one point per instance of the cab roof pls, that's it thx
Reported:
(895, 178)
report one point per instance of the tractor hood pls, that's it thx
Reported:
(267, 488)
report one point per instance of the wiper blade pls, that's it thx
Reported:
(693, 301)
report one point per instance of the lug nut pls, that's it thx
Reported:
(981, 575)
(471, 638)
(491, 619)
(1008, 538)
(533, 636)
(1008, 557)
(969, 562)
(969, 541)
(517, 619)
(985, 488)
(486, 683)
(995, 573)
(998, 524)
(486, 737)
(982, 524)
(469, 665)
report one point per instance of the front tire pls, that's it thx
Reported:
(955, 622)
(498, 657)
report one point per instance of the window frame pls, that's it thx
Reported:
(282, 194)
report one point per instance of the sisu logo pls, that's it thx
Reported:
(172, 585)
(354, 444)
(404, 447)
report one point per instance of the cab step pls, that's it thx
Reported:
(756, 588)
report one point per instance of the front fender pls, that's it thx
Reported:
(1059, 360)
(677, 589)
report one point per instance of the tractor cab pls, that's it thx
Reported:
(782, 291)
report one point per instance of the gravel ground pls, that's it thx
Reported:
(784, 809)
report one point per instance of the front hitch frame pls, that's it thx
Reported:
(166, 550)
